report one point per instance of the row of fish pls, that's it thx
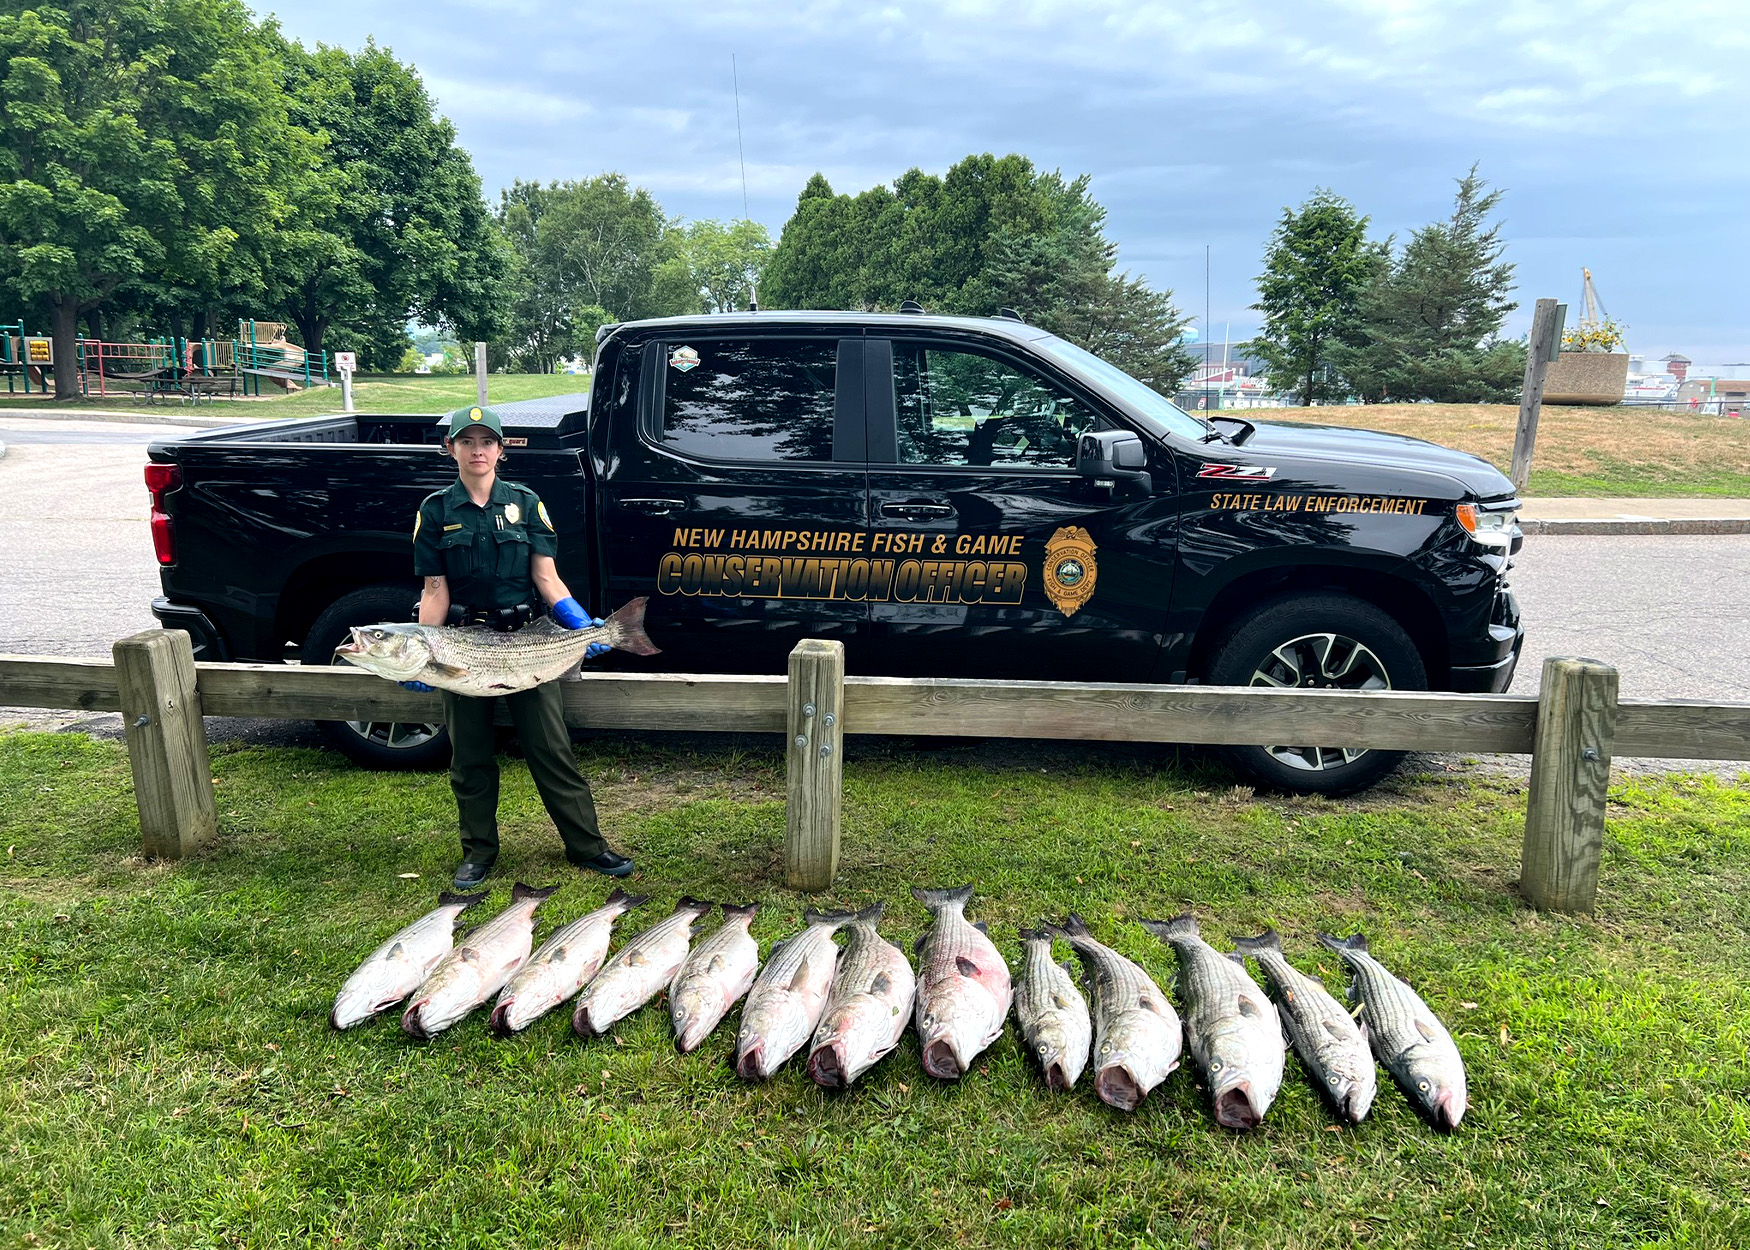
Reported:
(851, 1005)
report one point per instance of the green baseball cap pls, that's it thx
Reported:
(473, 418)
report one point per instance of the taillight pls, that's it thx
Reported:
(161, 479)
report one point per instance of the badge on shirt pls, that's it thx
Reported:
(512, 513)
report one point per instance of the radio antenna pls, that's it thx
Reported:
(735, 80)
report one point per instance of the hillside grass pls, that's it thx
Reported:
(168, 1078)
(1622, 452)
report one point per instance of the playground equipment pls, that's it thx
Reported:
(261, 351)
(24, 357)
(197, 369)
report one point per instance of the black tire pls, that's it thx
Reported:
(375, 744)
(1324, 640)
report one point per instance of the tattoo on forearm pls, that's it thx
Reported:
(434, 584)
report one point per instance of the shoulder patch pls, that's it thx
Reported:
(417, 518)
(541, 511)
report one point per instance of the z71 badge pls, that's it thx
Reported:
(1241, 472)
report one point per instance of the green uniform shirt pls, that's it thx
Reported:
(483, 552)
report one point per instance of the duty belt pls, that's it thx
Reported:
(501, 619)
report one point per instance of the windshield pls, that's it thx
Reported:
(1160, 412)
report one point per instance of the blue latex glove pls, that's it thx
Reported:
(420, 686)
(569, 613)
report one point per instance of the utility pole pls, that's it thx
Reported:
(1543, 347)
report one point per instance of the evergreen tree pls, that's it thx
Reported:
(1431, 317)
(1316, 268)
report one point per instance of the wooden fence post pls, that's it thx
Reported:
(814, 763)
(1570, 772)
(1539, 348)
(167, 742)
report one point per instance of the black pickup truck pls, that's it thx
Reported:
(948, 496)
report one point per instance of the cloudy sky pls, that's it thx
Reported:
(1619, 130)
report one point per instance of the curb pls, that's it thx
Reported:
(124, 417)
(1610, 526)
(2, 451)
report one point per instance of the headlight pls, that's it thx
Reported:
(1492, 529)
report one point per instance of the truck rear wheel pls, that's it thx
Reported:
(1327, 641)
(376, 744)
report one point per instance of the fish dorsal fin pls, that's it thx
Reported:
(636, 958)
(881, 984)
(800, 980)
(1427, 1033)
(966, 966)
(1333, 1030)
(1060, 1002)
(1248, 1007)
(396, 951)
(542, 625)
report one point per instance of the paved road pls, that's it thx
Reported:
(1668, 612)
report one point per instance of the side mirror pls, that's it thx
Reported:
(1113, 456)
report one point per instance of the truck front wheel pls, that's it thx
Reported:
(1325, 641)
(375, 744)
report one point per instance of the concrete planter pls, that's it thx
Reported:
(1586, 378)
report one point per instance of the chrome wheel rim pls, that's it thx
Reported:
(1320, 662)
(394, 735)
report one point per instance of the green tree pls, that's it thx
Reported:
(720, 265)
(1431, 317)
(392, 224)
(141, 142)
(1316, 267)
(992, 233)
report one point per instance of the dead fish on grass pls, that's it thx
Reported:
(639, 970)
(400, 965)
(563, 965)
(870, 1005)
(964, 991)
(1331, 1046)
(1235, 1034)
(1138, 1036)
(789, 996)
(478, 968)
(1407, 1036)
(713, 978)
(1052, 1012)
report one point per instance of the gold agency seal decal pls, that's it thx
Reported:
(1070, 569)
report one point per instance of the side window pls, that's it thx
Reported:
(962, 408)
(749, 399)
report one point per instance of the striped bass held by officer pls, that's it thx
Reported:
(485, 550)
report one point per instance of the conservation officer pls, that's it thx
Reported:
(485, 547)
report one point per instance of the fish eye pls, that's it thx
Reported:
(1215, 1065)
(1336, 1080)
(378, 634)
(1045, 1048)
(1422, 1085)
(1106, 1049)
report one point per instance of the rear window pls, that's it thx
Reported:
(749, 399)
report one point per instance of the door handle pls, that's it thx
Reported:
(917, 510)
(654, 507)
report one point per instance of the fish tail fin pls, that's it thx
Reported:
(520, 891)
(1184, 926)
(1268, 940)
(625, 628)
(449, 898)
(1041, 934)
(810, 916)
(743, 911)
(626, 902)
(871, 914)
(1354, 942)
(687, 902)
(942, 900)
(1075, 926)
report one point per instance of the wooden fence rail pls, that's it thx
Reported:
(1572, 733)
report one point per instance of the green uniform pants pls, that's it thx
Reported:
(539, 717)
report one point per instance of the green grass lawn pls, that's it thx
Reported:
(167, 1075)
(373, 392)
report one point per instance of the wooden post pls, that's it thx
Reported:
(1540, 348)
(814, 763)
(1570, 771)
(167, 742)
(480, 372)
